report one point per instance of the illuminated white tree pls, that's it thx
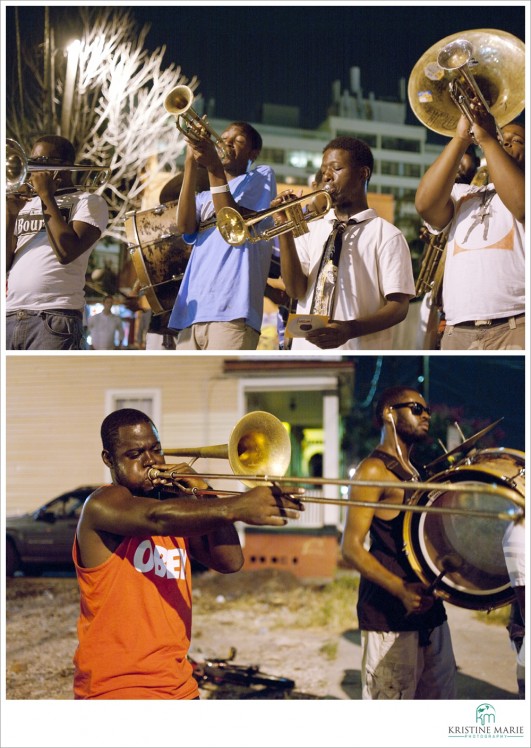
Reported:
(107, 96)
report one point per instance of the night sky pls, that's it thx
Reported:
(291, 54)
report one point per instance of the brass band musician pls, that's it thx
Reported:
(50, 233)
(484, 275)
(221, 297)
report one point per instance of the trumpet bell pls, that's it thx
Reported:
(179, 100)
(455, 54)
(496, 60)
(179, 103)
(232, 227)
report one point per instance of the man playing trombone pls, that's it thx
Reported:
(50, 232)
(132, 554)
(407, 648)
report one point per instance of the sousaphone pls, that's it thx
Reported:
(494, 59)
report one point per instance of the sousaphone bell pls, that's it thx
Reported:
(493, 59)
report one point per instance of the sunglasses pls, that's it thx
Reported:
(416, 409)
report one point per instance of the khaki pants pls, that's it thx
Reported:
(235, 335)
(395, 666)
(509, 336)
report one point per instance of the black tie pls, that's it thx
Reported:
(331, 254)
(332, 249)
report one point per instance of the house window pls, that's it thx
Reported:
(146, 400)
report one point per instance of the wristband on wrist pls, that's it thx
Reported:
(219, 190)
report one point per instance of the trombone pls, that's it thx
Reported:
(18, 166)
(237, 229)
(260, 443)
(179, 102)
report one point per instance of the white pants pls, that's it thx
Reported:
(395, 666)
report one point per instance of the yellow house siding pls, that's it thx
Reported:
(55, 406)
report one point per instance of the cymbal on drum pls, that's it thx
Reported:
(465, 446)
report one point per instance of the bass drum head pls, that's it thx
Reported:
(468, 549)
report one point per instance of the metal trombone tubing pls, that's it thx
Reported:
(500, 491)
(383, 505)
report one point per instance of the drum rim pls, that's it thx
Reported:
(421, 563)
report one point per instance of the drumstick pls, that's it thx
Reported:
(450, 562)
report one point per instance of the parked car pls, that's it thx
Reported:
(43, 540)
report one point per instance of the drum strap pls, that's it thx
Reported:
(392, 464)
(395, 467)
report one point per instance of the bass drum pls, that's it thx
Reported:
(159, 254)
(467, 549)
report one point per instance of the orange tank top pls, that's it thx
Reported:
(135, 623)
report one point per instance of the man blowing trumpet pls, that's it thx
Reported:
(352, 268)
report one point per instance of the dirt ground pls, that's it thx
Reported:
(272, 619)
(307, 633)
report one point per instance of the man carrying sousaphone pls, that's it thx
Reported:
(484, 273)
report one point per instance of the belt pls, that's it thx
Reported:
(489, 322)
(24, 313)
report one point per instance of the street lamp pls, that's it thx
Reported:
(70, 81)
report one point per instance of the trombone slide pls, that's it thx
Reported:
(279, 481)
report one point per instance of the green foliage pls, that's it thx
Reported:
(361, 434)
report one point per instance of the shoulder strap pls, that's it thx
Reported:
(392, 464)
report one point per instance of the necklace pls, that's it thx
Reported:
(481, 217)
(484, 208)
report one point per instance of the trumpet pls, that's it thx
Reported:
(179, 102)
(237, 229)
(19, 166)
(260, 442)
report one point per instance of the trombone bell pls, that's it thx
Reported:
(259, 444)
(237, 229)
